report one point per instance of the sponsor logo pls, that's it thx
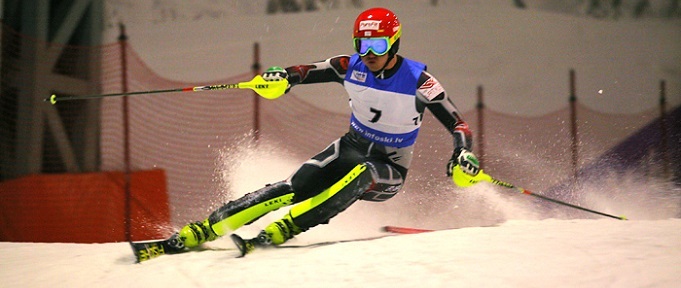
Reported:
(431, 89)
(369, 25)
(151, 251)
(359, 76)
(273, 201)
(393, 156)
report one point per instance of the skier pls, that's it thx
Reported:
(388, 96)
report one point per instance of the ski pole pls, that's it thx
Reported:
(266, 89)
(462, 179)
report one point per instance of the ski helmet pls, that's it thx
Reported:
(377, 23)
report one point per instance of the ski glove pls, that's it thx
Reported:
(276, 73)
(466, 160)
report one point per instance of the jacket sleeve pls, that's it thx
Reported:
(330, 70)
(433, 96)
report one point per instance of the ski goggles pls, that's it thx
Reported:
(379, 46)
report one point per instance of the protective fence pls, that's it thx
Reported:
(198, 139)
(189, 135)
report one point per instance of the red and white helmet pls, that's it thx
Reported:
(378, 23)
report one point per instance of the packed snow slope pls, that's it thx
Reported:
(496, 238)
(518, 253)
(488, 236)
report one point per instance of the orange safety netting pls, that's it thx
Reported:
(185, 134)
(189, 136)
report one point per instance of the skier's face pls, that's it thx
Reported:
(375, 63)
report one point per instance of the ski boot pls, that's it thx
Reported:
(197, 233)
(274, 234)
(190, 236)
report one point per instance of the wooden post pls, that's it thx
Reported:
(122, 41)
(481, 127)
(256, 68)
(663, 131)
(573, 123)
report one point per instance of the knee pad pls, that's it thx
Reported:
(387, 182)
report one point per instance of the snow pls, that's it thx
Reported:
(498, 238)
(518, 253)
(491, 237)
